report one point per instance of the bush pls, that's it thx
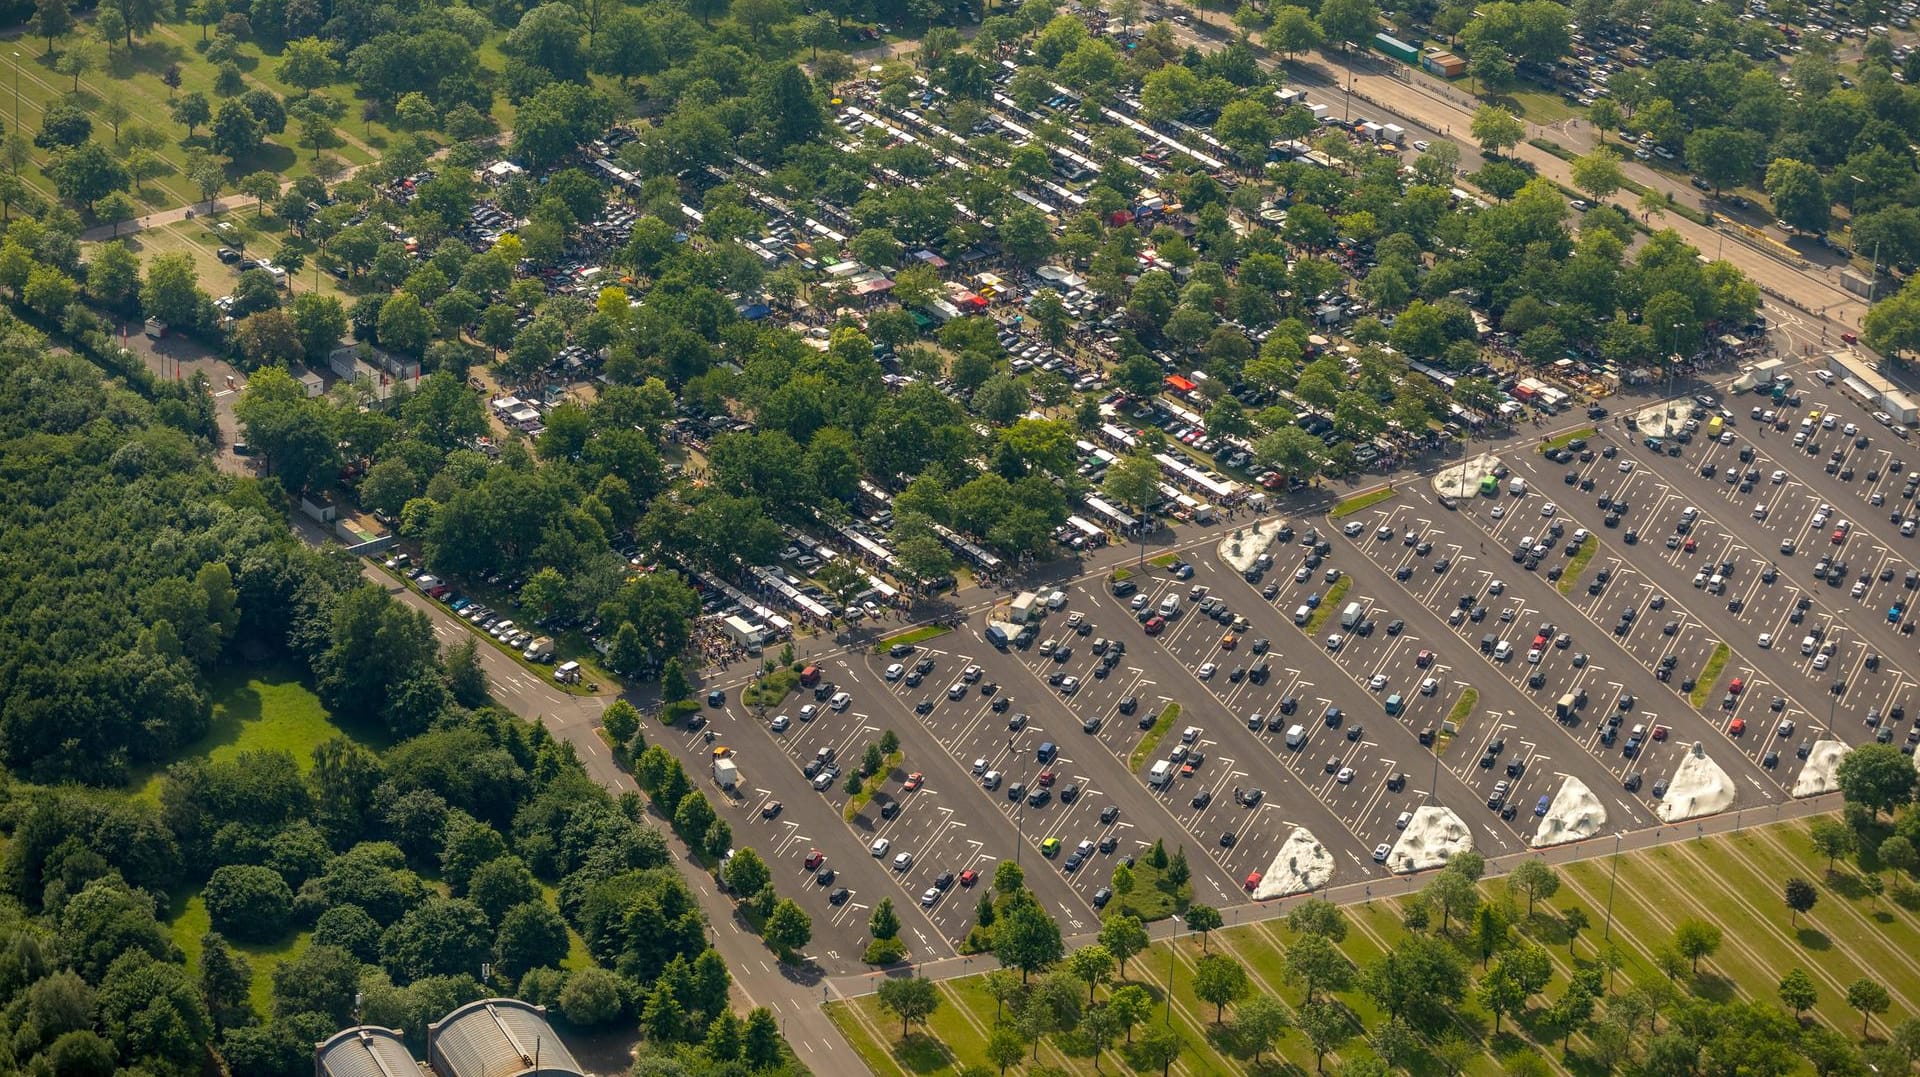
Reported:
(246, 901)
(885, 952)
(591, 997)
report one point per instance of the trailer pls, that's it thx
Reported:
(1396, 48)
(726, 773)
(1393, 133)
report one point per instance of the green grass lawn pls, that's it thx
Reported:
(1566, 439)
(192, 922)
(1709, 675)
(1151, 740)
(1578, 563)
(1328, 604)
(915, 635)
(1359, 502)
(255, 708)
(1732, 880)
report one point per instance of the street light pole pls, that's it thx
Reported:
(1611, 877)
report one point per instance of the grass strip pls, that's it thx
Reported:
(1578, 563)
(1164, 560)
(1359, 502)
(1462, 709)
(1328, 604)
(1151, 740)
(912, 635)
(869, 784)
(769, 690)
(1566, 439)
(1709, 675)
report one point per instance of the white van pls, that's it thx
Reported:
(1759, 512)
(1296, 736)
(1170, 605)
(1518, 487)
(1160, 774)
(1301, 615)
(1502, 651)
(1806, 644)
(1717, 584)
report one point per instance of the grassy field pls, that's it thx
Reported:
(1566, 439)
(255, 708)
(916, 635)
(1732, 881)
(133, 76)
(1151, 739)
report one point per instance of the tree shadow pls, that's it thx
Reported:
(1812, 938)
(920, 1053)
(153, 54)
(268, 157)
(1713, 987)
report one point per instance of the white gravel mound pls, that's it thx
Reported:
(1431, 839)
(1698, 787)
(1659, 420)
(1575, 815)
(1822, 761)
(1242, 548)
(1462, 480)
(1301, 865)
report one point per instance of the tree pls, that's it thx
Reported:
(1204, 919)
(1799, 195)
(1024, 936)
(747, 874)
(1496, 129)
(787, 929)
(1259, 1023)
(51, 19)
(1123, 935)
(1895, 851)
(206, 175)
(1797, 991)
(1092, 965)
(1694, 939)
(1004, 1047)
(87, 173)
(1870, 997)
(1159, 1047)
(1832, 839)
(1219, 979)
(1535, 879)
(81, 57)
(909, 998)
(532, 935)
(307, 64)
(1598, 174)
(884, 923)
(1325, 1026)
(1454, 894)
(248, 902)
(621, 721)
(591, 997)
(1876, 776)
(1316, 964)
(1575, 921)
(191, 109)
(1724, 156)
(172, 292)
(1293, 30)
(1348, 22)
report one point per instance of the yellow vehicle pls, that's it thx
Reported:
(1050, 848)
(1715, 425)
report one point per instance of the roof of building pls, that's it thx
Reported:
(365, 1051)
(498, 1037)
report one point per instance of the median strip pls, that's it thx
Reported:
(1709, 675)
(1360, 501)
(1566, 439)
(1328, 604)
(1578, 563)
(1462, 710)
(1151, 741)
(911, 636)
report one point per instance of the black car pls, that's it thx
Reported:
(1108, 814)
(1203, 798)
(1091, 725)
(840, 896)
(1128, 704)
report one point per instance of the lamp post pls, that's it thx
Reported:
(16, 89)
(1613, 875)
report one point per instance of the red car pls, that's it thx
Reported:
(914, 781)
(1047, 778)
(1737, 727)
(969, 877)
(1733, 688)
(1155, 624)
(1423, 659)
(815, 859)
(1253, 879)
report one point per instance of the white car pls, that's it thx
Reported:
(1825, 376)
(1380, 852)
(1335, 641)
(1353, 528)
(1499, 512)
(1849, 430)
(1549, 509)
(1377, 682)
(1384, 533)
(1779, 477)
(781, 723)
(1765, 641)
(1496, 587)
(809, 711)
(1859, 588)
(1345, 776)
(928, 897)
(1429, 686)
(1819, 661)
(1626, 466)
(840, 701)
(903, 862)
(1207, 670)
(879, 847)
(1533, 656)
(1422, 145)
(895, 671)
